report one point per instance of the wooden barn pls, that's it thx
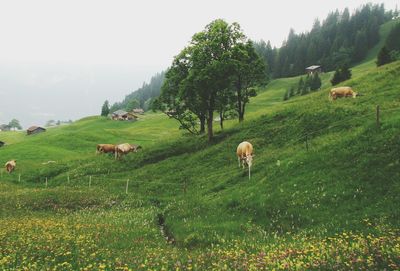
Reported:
(313, 69)
(35, 130)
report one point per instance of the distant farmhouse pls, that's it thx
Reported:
(2, 143)
(35, 130)
(123, 115)
(313, 69)
(138, 111)
(5, 127)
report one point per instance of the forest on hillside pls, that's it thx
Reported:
(143, 96)
(341, 39)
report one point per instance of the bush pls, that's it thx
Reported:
(341, 74)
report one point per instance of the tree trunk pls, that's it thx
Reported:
(241, 113)
(239, 97)
(221, 120)
(210, 125)
(210, 118)
(202, 124)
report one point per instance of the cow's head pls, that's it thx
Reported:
(355, 94)
(135, 148)
(249, 159)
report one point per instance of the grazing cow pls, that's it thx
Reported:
(245, 154)
(342, 92)
(10, 165)
(125, 148)
(105, 148)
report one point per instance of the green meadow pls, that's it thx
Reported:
(323, 195)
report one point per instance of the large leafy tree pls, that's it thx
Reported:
(215, 72)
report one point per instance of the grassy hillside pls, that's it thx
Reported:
(323, 193)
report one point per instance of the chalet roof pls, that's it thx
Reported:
(33, 128)
(120, 112)
(313, 67)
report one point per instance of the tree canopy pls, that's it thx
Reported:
(217, 71)
(14, 123)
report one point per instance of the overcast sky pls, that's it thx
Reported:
(62, 59)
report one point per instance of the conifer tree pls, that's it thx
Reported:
(105, 109)
(383, 57)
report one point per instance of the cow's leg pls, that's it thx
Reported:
(249, 172)
(239, 161)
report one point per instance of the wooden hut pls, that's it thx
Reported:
(313, 69)
(35, 130)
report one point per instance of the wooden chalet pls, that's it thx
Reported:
(313, 69)
(35, 130)
(123, 115)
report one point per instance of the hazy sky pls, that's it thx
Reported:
(62, 59)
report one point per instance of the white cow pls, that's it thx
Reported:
(125, 148)
(245, 154)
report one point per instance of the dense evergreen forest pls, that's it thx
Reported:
(143, 96)
(341, 39)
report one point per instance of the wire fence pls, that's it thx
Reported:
(183, 184)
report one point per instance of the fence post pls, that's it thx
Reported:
(68, 177)
(377, 116)
(19, 177)
(184, 186)
(307, 142)
(127, 184)
(46, 182)
(90, 181)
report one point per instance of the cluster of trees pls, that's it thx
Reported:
(143, 96)
(341, 39)
(391, 50)
(217, 72)
(341, 74)
(51, 123)
(305, 85)
(13, 124)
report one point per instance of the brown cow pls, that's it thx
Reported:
(342, 92)
(105, 148)
(10, 165)
(125, 148)
(245, 154)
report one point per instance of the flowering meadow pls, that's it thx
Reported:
(121, 240)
